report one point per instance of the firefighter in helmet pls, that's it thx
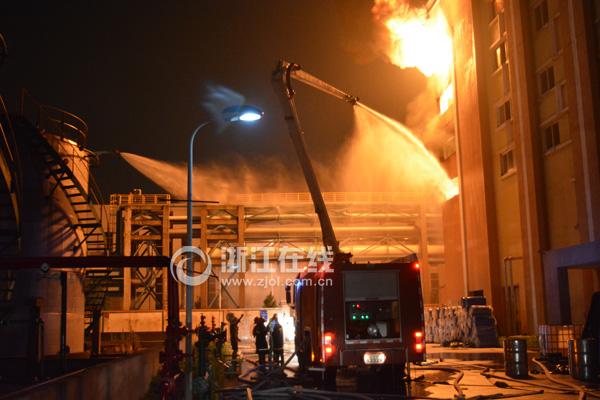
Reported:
(260, 338)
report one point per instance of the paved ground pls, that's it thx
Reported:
(435, 379)
(473, 363)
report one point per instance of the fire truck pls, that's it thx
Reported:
(348, 314)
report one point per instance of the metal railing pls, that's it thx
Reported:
(331, 197)
(62, 124)
(8, 147)
(53, 119)
(139, 199)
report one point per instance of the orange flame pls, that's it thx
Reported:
(420, 39)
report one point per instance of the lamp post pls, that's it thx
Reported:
(243, 113)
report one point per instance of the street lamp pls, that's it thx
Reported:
(243, 113)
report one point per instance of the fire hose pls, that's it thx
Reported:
(583, 391)
(455, 383)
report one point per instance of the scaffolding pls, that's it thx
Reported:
(375, 227)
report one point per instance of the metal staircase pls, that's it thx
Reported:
(9, 186)
(85, 200)
(10, 200)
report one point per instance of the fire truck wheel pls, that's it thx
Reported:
(329, 378)
(325, 380)
(390, 378)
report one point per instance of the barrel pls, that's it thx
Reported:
(515, 357)
(583, 359)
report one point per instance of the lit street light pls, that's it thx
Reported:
(243, 113)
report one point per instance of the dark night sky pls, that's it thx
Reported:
(136, 72)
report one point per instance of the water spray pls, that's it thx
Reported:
(294, 71)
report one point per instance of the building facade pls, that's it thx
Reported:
(523, 140)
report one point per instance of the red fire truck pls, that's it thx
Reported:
(349, 314)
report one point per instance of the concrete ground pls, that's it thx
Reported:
(435, 379)
(473, 363)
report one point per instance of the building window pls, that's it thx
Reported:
(503, 113)
(546, 79)
(493, 6)
(434, 278)
(507, 162)
(561, 97)
(449, 148)
(499, 56)
(541, 15)
(506, 79)
(551, 136)
(556, 35)
(596, 17)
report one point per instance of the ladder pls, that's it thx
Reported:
(93, 241)
(10, 206)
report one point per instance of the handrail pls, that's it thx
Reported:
(139, 199)
(54, 120)
(332, 197)
(65, 125)
(3, 49)
(94, 194)
(9, 147)
(98, 199)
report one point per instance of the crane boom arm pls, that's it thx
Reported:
(282, 77)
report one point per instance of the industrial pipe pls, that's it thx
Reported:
(63, 321)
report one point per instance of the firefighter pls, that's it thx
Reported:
(234, 332)
(260, 336)
(270, 325)
(276, 331)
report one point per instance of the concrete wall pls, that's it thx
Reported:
(154, 321)
(125, 378)
(479, 254)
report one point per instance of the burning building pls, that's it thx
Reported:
(511, 112)
(518, 126)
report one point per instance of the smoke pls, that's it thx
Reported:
(217, 98)
(410, 35)
(423, 117)
(382, 155)
(215, 182)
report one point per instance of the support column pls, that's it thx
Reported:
(166, 251)
(127, 252)
(202, 290)
(424, 256)
(241, 229)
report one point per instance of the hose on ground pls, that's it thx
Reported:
(540, 385)
(455, 383)
(583, 391)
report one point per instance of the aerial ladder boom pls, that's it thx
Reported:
(282, 83)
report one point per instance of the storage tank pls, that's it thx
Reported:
(48, 229)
